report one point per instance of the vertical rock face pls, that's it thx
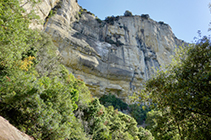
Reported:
(116, 55)
(45, 8)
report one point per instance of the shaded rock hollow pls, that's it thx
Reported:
(116, 55)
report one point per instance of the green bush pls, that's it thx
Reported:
(121, 125)
(98, 20)
(52, 13)
(110, 20)
(156, 121)
(111, 100)
(138, 112)
(128, 13)
(145, 134)
(108, 124)
(88, 12)
(80, 13)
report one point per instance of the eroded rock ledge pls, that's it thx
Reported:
(115, 55)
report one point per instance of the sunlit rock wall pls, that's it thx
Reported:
(116, 55)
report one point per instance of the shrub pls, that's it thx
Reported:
(138, 112)
(162, 23)
(111, 100)
(98, 20)
(79, 14)
(128, 13)
(88, 12)
(110, 20)
(52, 13)
(108, 123)
(145, 16)
(145, 134)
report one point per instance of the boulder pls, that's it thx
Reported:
(9, 132)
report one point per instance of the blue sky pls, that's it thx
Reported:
(185, 17)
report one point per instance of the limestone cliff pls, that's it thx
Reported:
(116, 55)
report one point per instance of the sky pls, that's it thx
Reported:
(185, 17)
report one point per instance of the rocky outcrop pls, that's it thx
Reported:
(116, 55)
(47, 8)
(9, 132)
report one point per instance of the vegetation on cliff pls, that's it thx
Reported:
(40, 97)
(138, 112)
(181, 94)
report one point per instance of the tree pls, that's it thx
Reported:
(161, 126)
(128, 13)
(182, 92)
(37, 93)
(138, 112)
(108, 124)
(112, 100)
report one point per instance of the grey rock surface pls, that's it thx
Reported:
(116, 55)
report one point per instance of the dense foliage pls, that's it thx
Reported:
(181, 93)
(138, 112)
(112, 100)
(37, 94)
(108, 124)
(40, 97)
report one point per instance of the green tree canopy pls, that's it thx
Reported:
(182, 92)
(37, 93)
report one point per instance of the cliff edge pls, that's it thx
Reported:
(115, 55)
